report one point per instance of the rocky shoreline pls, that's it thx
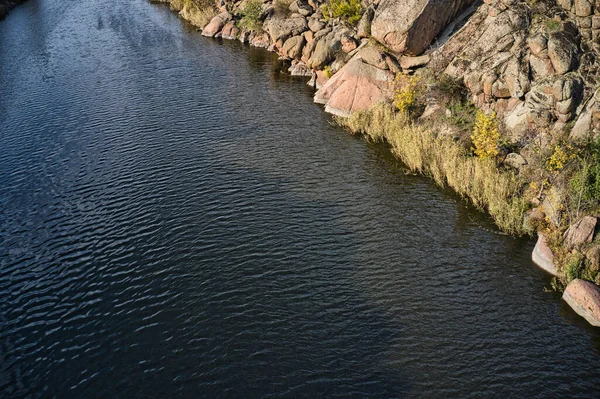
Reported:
(522, 75)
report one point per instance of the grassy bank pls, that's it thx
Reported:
(473, 170)
(426, 151)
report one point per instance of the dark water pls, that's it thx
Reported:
(177, 218)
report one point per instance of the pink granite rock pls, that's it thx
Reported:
(584, 297)
(357, 86)
(542, 255)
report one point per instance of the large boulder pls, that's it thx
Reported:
(327, 44)
(282, 29)
(563, 52)
(357, 86)
(292, 47)
(216, 24)
(409, 26)
(230, 31)
(542, 255)
(583, 129)
(584, 297)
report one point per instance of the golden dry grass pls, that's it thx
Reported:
(447, 162)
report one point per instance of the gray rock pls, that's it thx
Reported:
(293, 46)
(364, 25)
(514, 160)
(563, 52)
(372, 56)
(282, 29)
(581, 232)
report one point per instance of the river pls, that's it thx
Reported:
(178, 219)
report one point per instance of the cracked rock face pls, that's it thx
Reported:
(409, 26)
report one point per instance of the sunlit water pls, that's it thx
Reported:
(177, 218)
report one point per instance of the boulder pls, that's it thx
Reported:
(581, 232)
(407, 62)
(542, 255)
(584, 298)
(216, 24)
(260, 40)
(582, 130)
(315, 24)
(324, 51)
(563, 52)
(364, 25)
(541, 67)
(514, 160)
(348, 43)
(282, 28)
(517, 121)
(293, 47)
(409, 26)
(230, 31)
(372, 56)
(328, 44)
(537, 44)
(357, 86)
(299, 69)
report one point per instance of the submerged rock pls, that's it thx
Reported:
(584, 298)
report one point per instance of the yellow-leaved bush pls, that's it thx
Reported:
(486, 135)
(406, 92)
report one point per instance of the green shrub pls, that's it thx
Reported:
(349, 10)
(463, 114)
(572, 268)
(251, 16)
(585, 183)
(552, 25)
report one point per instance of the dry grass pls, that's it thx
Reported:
(448, 163)
(198, 13)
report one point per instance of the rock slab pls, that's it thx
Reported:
(409, 26)
(356, 87)
(542, 255)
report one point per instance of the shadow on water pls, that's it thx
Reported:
(180, 219)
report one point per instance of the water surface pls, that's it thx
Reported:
(177, 218)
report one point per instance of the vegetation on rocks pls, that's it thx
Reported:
(486, 136)
(348, 10)
(426, 151)
(198, 12)
(251, 14)
(408, 93)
